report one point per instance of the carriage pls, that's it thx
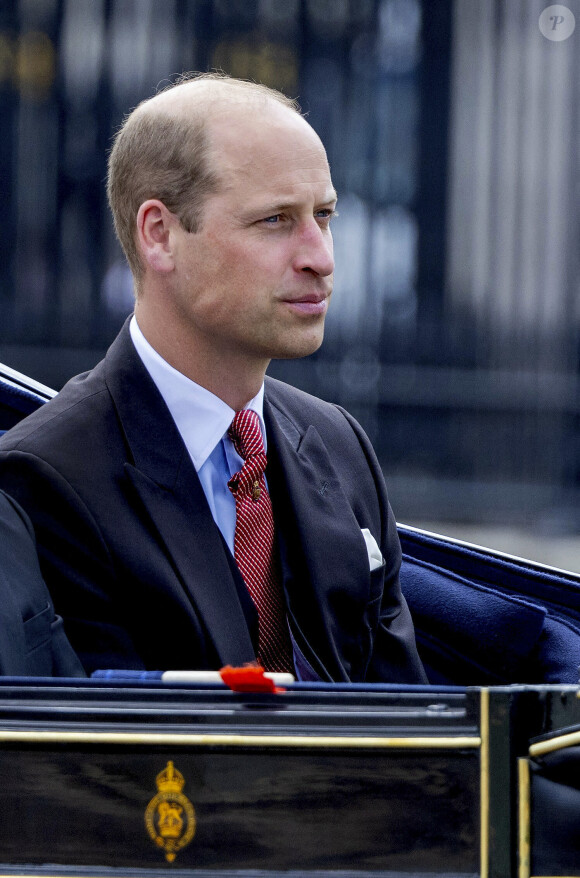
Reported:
(476, 774)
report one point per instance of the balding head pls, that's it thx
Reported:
(164, 150)
(210, 93)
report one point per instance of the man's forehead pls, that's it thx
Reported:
(273, 186)
(277, 140)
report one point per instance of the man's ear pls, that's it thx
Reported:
(155, 241)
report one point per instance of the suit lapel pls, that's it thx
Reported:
(322, 549)
(165, 480)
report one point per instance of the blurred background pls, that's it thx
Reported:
(452, 130)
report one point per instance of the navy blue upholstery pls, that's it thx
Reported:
(481, 619)
(486, 619)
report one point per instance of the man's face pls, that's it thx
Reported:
(254, 282)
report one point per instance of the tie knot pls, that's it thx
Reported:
(246, 435)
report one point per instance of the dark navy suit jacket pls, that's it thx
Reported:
(137, 566)
(32, 638)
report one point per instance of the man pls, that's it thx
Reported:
(32, 638)
(158, 537)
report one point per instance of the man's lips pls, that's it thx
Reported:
(312, 303)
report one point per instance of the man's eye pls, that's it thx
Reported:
(327, 213)
(272, 220)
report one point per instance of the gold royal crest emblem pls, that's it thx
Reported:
(170, 818)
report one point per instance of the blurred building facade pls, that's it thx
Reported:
(451, 128)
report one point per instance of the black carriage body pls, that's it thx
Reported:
(315, 780)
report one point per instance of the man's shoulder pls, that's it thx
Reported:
(79, 402)
(84, 405)
(304, 410)
(299, 405)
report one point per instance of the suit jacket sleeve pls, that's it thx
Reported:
(32, 637)
(74, 557)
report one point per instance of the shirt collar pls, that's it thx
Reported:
(201, 417)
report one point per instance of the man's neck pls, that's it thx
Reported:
(230, 378)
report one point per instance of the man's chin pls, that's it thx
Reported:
(298, 352)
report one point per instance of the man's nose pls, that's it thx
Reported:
(315, 250)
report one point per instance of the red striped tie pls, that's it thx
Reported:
(254, 543)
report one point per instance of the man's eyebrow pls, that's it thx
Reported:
(332, 196)
(280, 206)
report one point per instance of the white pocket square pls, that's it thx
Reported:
(374, 553)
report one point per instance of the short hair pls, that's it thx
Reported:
(167, 156)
